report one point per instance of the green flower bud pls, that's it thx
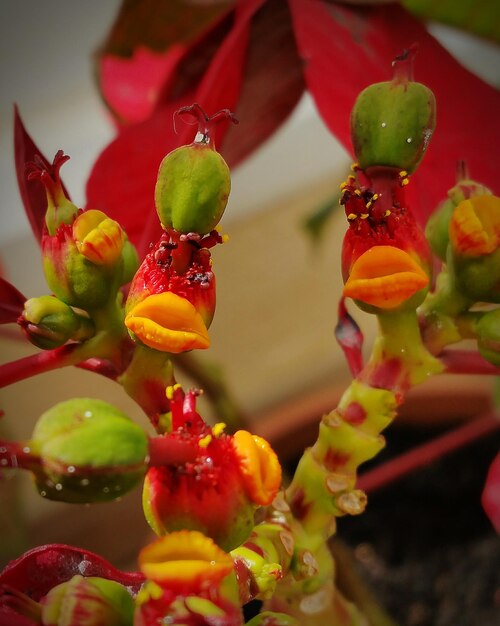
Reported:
(392, 122)
(90, 451)
(194, 181)
(88, 601)
(488, 336)
(49, 323)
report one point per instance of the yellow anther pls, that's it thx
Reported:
(204, 441)
(343, 186)
(351, 177)
(357, 192)
(375, 197)
(368, 204)
(218, 429)
(387, 213)
(363, 216)
(405, 181)
(403, 174)
(225, 238)
(169, 391)
(352, 216)
(354, 167)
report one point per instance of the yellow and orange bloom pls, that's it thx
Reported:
(98, 238)
(475, 226)
(171, 301)
(168, 323)
(185, 561)
(187, 582)
(385, 277)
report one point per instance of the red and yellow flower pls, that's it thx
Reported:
(217, 486)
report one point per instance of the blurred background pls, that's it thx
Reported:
(277, 296)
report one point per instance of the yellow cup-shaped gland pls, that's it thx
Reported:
(99, 238)
(475, 226)
(185, 561)
(385, 277)
(260, 468)
(168, 323)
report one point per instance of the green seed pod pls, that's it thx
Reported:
(192, 189)
(88, 601)
(392, 122)
(488, 336)
(90, 452)
(49, 323)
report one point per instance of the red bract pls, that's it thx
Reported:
(40, 569)
(254, 59)
(33, 194)
(491, 493)
(11, 302)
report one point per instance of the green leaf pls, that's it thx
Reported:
(480, 17)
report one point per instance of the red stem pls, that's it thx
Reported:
(425, 454)
(467, 362)
(38, 363)
(98, 366)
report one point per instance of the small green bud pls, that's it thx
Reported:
(88, 601)
(90, 451)
(392, 122)
(194, 181)
(488, 336)
(49, 323)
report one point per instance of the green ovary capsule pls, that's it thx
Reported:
(392, 122)
(192, 189)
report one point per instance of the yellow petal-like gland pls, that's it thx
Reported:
(385, 277)
(99, 238)
(168, 323)
(184, 558)
(260, 468)
(475, 226)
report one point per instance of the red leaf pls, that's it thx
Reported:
(350, 339)
(32, 192)
(273, 82)
(143, 48)
(8, 617)
(490, 498)
(40, 569)
(347, 48)
(11, 302)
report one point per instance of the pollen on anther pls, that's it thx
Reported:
(368, 204)
(357, 192)
(352, 216)
(405, 181)
(375, 197)
(363, 216)
(355, 166)
(403, 174)
(218, 429)
(351, 177)
(343, 186)
(205, 441)
(169, 391)
(387, 213)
